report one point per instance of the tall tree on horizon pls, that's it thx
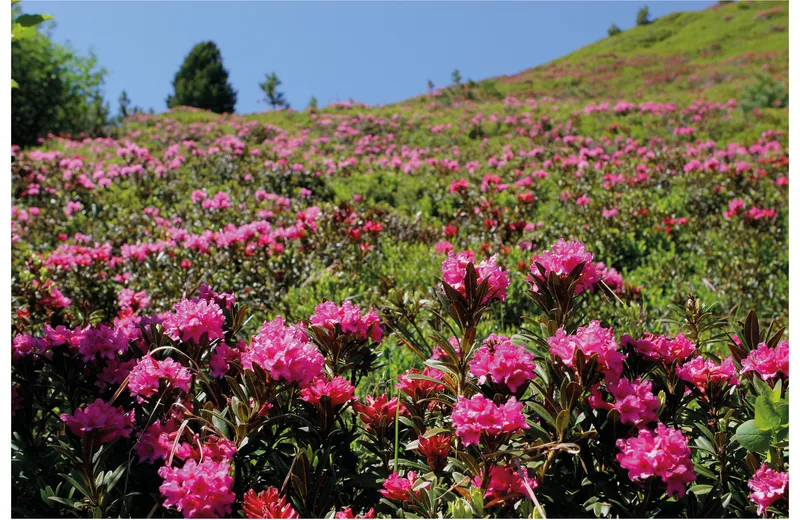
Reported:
(270, 86)
(202, 81)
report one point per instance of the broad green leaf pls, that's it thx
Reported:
(752, 437)
(14, 84)
(767, 417)
(31, 20)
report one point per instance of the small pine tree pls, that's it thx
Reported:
(313, 103)
(202, 81)
(270, 88)
(456, 77)
(613, 30)
(643, 16)
(124, 105)
(430, 86)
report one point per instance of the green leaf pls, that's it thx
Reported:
(14, 84)
(752, 437)
(562, 422)
(767, 416)
(701, 489)
(31, 20)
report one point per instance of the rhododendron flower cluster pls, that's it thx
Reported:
(435, 449)
(502, 362)
(663, 453)
(193, 319)
(505, 481)
(413, 386)
(767, 487)
(479, 415)
(267, 504)
(284, 352)
(399, 488)
(768, 362)
(198, 490)
(634, 401)
(562, 258)
(378, 411)
(592, 340)
(347, 512)
(661, 348)
(700, 373)
(454, 271)
(328, 315)
(145, 378)
(338, 391)
(104, 421)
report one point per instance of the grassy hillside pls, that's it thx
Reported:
(711, 54)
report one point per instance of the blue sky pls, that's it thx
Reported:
(374, 52)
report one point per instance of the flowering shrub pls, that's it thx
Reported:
(451, 308)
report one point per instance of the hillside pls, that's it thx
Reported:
(710, 54)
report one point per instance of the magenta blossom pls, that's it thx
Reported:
(661, 348)
(337, 390)
(700, 373)
(562, 258)
(284, 352)
(454, 271)
(662, 453)
(591, 340)
(634, 401)
(198, 490)
(497, 359)
(479, 415)
(194, 318)
(145, 378)
(768, 486)
(768, 362)
(348, 317)
(106, 421)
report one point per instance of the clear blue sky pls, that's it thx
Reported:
(374, 52)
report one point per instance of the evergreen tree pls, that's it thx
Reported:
(270, 88)
(614, 30)
(202, 81)
(643, 16)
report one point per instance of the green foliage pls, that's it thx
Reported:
(764, 92)
(58, 90)
(273, 96)
(613, 30)
(456, 76)
(643, 16)
(202, 81)
(312, 104)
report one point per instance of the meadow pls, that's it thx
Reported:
(571, 282)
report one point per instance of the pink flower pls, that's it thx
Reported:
(420, 388)
(610, 276)
(284, 352)
(444, 247)
(194, 318)
(505, 481)
(198, 490)
(267, 504)
(221, 358)
(129, 300)
(379, 412)
(662, 453)
(660, 348)
(562, 258)
(701, 372)
(104, 341)
(108, 422)
(26, 345)
(591, 340)
(328, 315)
(454, 271)
(435, 449)
(767, 362)
(497, 359)
(635, 401)
(583, 200)
(157, 441)
(398, 488)
(734, 207)
(768, 486)
(348, 513)
(338, 391)
(145, 379)
(479, 415)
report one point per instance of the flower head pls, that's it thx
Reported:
(479, 415)
(145, 378)
(284, 352)
(337, 391)
(198, 490)
(634, 401)
(454, 272)
(348, 317)
(768, 486)
(106, 421)
(591, 340)
(194, 318)
(700, 373)
(502, 362)
(662, 453)
(562, 258)
(267, 504)
(768, 362)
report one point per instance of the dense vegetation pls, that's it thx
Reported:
(475, 303)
